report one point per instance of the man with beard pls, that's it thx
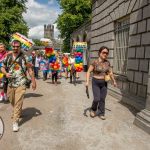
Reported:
(15, 67)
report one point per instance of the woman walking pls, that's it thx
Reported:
(101, 69)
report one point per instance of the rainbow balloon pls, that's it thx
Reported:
(79, 60)
(54, 65)
(65, 61)
(78, 48)
(26, 43)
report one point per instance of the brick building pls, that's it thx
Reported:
(124, 27)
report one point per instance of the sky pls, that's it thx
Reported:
(41, 12)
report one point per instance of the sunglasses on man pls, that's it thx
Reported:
(15, 46)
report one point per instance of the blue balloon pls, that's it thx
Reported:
(54, 58)
(53, 61)
(50, 60)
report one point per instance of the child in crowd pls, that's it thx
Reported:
(44, 66)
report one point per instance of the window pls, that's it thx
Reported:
(121, 46)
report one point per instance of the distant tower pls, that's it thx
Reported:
(49, 31)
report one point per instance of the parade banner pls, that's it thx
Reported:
(79, 45)
(26, 43)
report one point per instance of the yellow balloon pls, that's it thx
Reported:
(78, 65)
(75, 65)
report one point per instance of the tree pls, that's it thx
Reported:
(38, 42)
(74, 13)
(11, 18)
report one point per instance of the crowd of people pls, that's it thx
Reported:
(19, 71)
(40, 63)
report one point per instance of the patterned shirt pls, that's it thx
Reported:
(44, 64)
(18, 77)
(101, 68)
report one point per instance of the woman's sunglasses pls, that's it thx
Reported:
(106, 53)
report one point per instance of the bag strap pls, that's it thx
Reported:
(22, 68)
(20, 63)
(10, 59)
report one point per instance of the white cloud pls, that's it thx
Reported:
(39, 14)
(36, 32)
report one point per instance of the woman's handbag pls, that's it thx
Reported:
(107, 77)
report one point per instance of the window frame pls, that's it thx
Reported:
(121, 34)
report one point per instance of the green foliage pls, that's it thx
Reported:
(11, 19)
(38, 42)
(74, 14)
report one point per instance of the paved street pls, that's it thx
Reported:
(57, 118)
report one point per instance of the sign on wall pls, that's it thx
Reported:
(80, 45)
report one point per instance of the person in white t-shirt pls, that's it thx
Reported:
(37, 65)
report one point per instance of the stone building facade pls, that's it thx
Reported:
(49, 31)
(124, 27)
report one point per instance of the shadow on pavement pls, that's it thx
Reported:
(85, 111)
(89, 109)
(58, 82)
(80, 81)
(77, 82)
(28, 95)
(130, 108)
(5, 102)
(28, 114)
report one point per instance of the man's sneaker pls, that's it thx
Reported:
(1, 97)
(15, 127)
(92, 113)
(102, 117)
(5, 97)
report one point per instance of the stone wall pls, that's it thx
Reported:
(105, 13)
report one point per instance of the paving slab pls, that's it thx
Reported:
(57, 118)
